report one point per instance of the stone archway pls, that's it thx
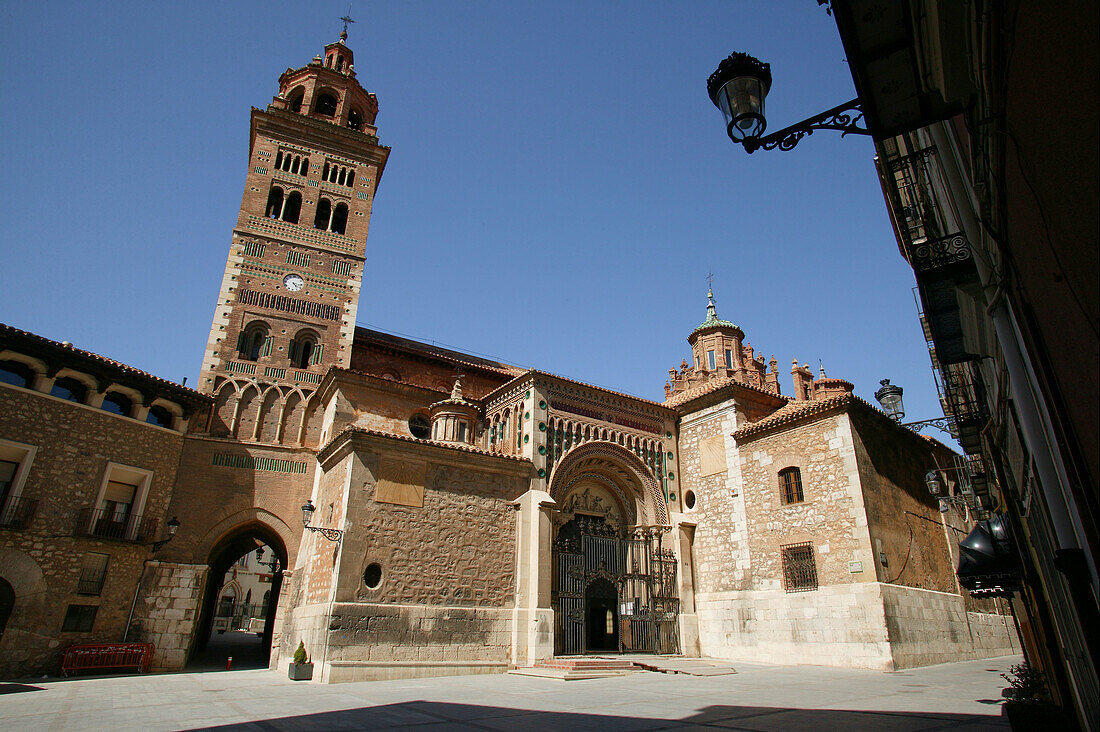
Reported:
(620, 471)
(223, 553)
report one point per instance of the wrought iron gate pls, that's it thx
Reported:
(590, 555)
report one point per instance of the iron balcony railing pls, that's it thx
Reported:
(17, 513)
(964, 393)
(108, 524)
(91, 582)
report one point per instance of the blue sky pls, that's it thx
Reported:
(559, 185)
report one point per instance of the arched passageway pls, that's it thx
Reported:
(238, 606)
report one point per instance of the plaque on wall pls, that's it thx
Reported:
(712, 455)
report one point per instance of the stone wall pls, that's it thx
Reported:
(838, 625)
(166, 611)
(927, 627)
(75, 443)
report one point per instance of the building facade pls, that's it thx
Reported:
(470, 516)
(998, 218)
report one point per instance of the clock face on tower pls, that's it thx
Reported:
(293, 282)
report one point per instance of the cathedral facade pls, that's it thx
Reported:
(433, 512)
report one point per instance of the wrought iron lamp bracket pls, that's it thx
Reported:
(335, 535)
(941, 423)
(844, 118)
(159, 544)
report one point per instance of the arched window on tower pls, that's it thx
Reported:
(790, 486)
(295, 164)
(339, 63)
(326, 105)
(351, 178)
(324, 213)
(274, 203)
(355, 119)
(254, 341)
(343, 176)
(324, 172)
(293, 207)
(304, 170)
(117, 403)
(278, 160)
(304, 349)
(340, 218)
(296, 98)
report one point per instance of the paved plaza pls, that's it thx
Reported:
(959, 696)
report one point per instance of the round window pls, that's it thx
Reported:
(372, 577)
(689, 499)
(420, 427)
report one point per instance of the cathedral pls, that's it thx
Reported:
(432, 512)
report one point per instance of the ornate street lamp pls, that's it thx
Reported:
(173, 526)
(738, 87)
(889, 396)
(273, 565)
(307, 515)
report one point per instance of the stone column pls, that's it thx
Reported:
(166, 610)
(533, 617)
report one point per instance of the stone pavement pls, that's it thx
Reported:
(958, 697)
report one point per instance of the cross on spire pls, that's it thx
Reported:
(347, 19)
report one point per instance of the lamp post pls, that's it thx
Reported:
(173, 526)
(307, 516)
(738, 88)
(889, 397)
(273, 565)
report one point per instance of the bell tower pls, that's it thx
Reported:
(288, 301)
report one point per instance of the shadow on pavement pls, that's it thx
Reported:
(246, 649)
(18, 688)
(468, 716)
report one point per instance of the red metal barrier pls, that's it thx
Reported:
(106, 656)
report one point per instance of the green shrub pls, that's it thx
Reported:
(300, 654)
(1027, 685)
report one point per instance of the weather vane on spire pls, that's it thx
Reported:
(710, 280)
(347, 19)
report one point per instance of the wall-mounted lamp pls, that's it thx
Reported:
(173, 526)
(307, 515)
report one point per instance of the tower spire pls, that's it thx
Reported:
(347, 19)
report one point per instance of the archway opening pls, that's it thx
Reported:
(601, 604)
(239, 602)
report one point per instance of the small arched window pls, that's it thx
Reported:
(343, 176)
(326, 105)
(295, 164)
(324, 213)
(274, 203)
(159, 416)
(324, 172)
(339, 63)
(117, 403)
(790, 485)
(69, 388)
(351, 178)
(355, 120)
(293, 208)
(16, 373)
(278, 160)
(305, 167)
(340, 218)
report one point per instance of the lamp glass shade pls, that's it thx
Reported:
(889, 396)
(934, 483)
(307, 512)
(741, 101)
(173, 526)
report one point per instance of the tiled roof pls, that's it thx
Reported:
(711, 386)
(72, 357)
(444, 354)
(406, 438)
(598, 388)
(794, 411)
(376, 377)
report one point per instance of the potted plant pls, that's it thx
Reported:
(301, 668)
(1027, 701)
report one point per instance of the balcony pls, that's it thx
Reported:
(964, 393)
(98, 523)
(17, 514)
(931, 239)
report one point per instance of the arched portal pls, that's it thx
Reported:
(245, 563)
(613, 579)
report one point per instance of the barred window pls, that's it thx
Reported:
(799, 569)
(790, 485)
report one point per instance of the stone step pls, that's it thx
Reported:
(577, 668)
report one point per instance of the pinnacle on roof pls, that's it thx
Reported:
(712, 316)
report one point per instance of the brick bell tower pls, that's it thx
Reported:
(287, 306)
